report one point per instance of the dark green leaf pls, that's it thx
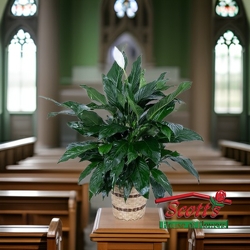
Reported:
(86, 172)
(187, 135)
(162, 179)
(116, 171)
(149, 148)
(153, 112)
(134, 77)
(132, 154)
(93, 94)
(105, 148)
(111, 129)
(84, 130)
(157, 189)
(75, 149)
(140, 178)
(90, 118)
(116, 155)
(96, 181)
(145, 91)
(186, 164)
(115, 74)
(111, 92)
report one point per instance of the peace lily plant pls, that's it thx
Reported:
(131, 143)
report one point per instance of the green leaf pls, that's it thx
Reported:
(111, 92)
(93, 94)
(165, 112)
(145, 91)
(116, 155)
(166, 131)
(132, 154)
(153, 112)
(90, 118)
(96, 180)
(86, 172)
(149, 148)
(140, 178)
(110, 130)
(115, 74)
(135, 75)
(186, 164)
(83, 129)
(62, 112)
(187, 135)
(116, 171)
(176, 128)
(162, 179)
(107, 107)
(157, 189)
(105, 148)
(136, 108)
(75, 149)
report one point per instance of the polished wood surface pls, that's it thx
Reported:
(15, 151)
(233, 238)
(32, 237)
(112, 233)
(29, 207)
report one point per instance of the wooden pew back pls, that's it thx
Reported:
(236, 150)
(14, 151)
(32, 237)
(29, 207)
(232, 238)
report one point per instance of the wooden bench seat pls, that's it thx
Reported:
(30, 207)
(235, 237)
(235, 150)
(15, 151)
(47, 237)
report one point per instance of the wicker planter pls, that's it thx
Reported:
(133, 209)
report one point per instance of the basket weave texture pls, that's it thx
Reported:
(134, 207)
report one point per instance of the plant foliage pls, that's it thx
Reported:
(130, 145)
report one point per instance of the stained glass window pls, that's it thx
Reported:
(24, 8)
(228, 74)
(129, 7)
(227, 8)
(21, 91)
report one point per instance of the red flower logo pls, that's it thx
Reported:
(220, 196)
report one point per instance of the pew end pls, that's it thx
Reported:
(233, 237)
(32, 236)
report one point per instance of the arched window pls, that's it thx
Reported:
(229, 50)
(19, 40)
(21, 73)
(230, 87)
(228, 74)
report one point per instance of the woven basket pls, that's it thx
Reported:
(134, 207)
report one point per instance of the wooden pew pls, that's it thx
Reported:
(30, 207)
(52, 181)
(47, 237)
(15, 151)
(235, 150)
(238, 213)
(235, 237)
(52, 168)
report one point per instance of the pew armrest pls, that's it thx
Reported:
(54, 235)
